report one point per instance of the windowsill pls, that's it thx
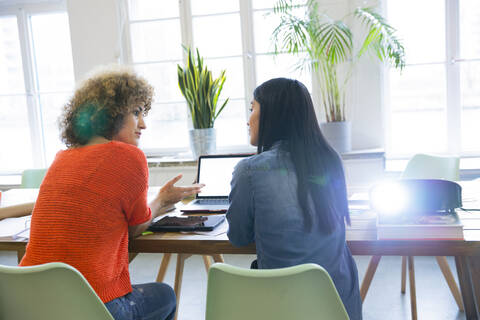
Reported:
(160, 162)
(10, 181)
(363, 154)
(180, 161)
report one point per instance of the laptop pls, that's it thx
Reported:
(215, 171)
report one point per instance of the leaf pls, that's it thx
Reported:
(381, 38)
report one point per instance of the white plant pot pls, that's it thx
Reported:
(203, 141)
(338, 134)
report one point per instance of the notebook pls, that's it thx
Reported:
(215, 171)
(188, 223)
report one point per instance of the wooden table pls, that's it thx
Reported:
(466, 252)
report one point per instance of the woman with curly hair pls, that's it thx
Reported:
(94, 195)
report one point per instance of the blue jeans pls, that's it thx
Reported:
(149, 301)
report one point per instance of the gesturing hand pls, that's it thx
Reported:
(170, 194)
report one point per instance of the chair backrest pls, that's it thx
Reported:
(423, 166)
(32, 178)
(52, 291)
(301, 292)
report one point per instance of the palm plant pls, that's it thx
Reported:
(201, 91)
(328, 46)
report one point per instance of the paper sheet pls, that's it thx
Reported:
(15, 227)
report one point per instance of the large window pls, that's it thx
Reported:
(36, 78)
(434, 104)
(230, 34)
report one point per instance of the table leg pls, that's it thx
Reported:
(413, 294)
(131, 256)
(367, 279)
(20, 254)
(218, 258)
(207, 262)
(404, 274)
(163, 267)
(474, 267)
(447, 274)
(181, 257)
(466, 288)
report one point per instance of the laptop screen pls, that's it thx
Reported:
(216, 173)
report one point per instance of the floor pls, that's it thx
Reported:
(384, 300)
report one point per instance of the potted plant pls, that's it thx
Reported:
(328, 50)
(201, 92)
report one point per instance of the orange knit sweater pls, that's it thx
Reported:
(88, 198)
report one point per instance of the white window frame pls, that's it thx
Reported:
(22, 13)
(453, 109)
(248, 55)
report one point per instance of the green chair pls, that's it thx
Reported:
(52, 291)
(301, 292)
(422, 166)
(32, 178)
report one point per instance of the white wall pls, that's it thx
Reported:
(365, 96)
(95, 34)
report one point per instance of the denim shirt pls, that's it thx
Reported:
(264, 209)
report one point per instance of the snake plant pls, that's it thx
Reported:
(201, 91)
(326, 46)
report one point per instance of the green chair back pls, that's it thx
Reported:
(423, 166)
(32, 178)
(52, 291)
(301, 292)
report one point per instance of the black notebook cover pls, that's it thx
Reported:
(187, 223)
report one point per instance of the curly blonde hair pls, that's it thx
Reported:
(100, 104)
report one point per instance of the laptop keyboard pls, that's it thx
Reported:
(212, 201)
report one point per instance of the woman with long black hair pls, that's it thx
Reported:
(290, 198)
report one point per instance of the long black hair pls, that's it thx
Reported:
(287, 115)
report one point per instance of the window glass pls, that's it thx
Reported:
(264, 4)
(234, 85)
(269, 4)
(470, 100)
(417, 132)
(52, 106)
(231, 125)
(53, 52)
(423, 42)
(267, 64)
(15, 134)
(264, 23)
(417, 104)
(283, 65)
(167, 126)
(217, 36)
(156, 41)
(163, 77)
(200, 7)
(11, 70)
(153, 9)
(418, 88)
(469, 29)
(54, 73)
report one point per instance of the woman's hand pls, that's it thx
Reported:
(165, 199)
(169, 194)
